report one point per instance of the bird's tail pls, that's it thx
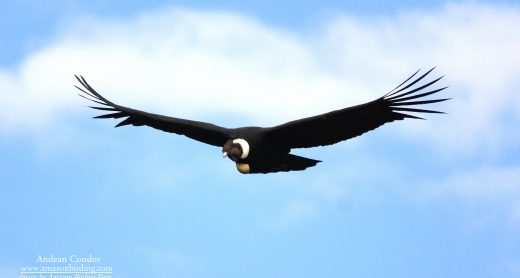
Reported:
(284, 163)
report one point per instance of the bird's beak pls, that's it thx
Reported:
(224, 154)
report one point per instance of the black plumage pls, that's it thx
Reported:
(267, 150)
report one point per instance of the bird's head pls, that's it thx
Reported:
(236, 149)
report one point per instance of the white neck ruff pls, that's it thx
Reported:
(245, 147)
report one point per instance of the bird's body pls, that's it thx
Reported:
(267, 150)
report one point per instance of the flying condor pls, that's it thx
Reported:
(267, 150)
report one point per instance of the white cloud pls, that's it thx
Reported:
(201, 64)
(487, 183)
(489, 194)
(180, 62)
(475, 45)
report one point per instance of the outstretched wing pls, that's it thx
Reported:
(339, 125)
(200, 131)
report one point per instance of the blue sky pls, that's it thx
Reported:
(435, 198)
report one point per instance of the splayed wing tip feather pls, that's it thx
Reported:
(413, 82)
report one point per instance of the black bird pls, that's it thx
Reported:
(267, 150)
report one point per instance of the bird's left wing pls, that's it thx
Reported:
(200, 131)
(340, 125)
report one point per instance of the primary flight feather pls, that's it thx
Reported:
(267, 150)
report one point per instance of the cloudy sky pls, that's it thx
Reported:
(435, 198)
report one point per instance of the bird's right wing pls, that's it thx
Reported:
(343, 124)
(200, 131)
